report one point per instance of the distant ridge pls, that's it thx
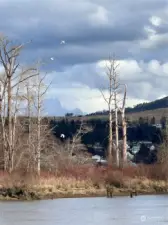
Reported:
(157, 104)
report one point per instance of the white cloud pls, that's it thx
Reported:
(77, 86)
(132, 70)
(129, 69)
(99, 17)
(154, 67)
(155, 20)
(155, 41)
(128, 66)
(87, 99)
(150, 31)
(162, 96)
(145, 81)
(165, 68)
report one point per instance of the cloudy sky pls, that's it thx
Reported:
(136, 31)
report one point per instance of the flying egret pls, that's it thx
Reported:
(62, 42)
(52, 58)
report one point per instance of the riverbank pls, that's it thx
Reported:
(70, 187)
(142, 187)
(31, 196)
(83, 181)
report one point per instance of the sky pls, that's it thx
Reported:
(135, 31)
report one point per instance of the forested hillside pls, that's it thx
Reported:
(157, 104)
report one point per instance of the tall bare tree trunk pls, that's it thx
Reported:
(124, 131)
(2, 132)
(29, 122)
(116, 130)
(38, 137)
(0, 99)
(110, 141)
(41, 90)
(112, 88)
(28, 98)
(113, 91)
(9, 119)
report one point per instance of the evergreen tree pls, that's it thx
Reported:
(163, 122)
(153, 120)
(141, 120)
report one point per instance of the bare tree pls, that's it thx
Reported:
(108, 100)
(56, 154)
(116, 86)
(11, 80)
(76, 145)
(113, 101)
(124, 127)
(111, 73)
(29, 97)
(40, 90)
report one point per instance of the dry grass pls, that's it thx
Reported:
(90, 181)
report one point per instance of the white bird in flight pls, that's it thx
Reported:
(62, 42)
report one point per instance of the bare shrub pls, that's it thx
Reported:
(115, 178)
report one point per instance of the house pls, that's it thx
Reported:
(157, 125)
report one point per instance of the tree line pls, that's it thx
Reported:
(99, 133)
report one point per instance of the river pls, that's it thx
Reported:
(147, 210)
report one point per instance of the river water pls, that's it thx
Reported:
(147, 210)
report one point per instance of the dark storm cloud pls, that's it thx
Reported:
(80, 24)
(92, 30)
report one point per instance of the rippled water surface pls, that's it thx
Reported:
(150, 210)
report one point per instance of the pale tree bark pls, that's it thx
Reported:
(29, 98)
(110, 119)
(1, 124)
(113, 101)
(40, 90)
(110, 146)
(3, 130)
(9, 72)
(0, 98)
(124, 128)
(38, 131)
(116, 130)
(116, 85)
(111, 75)
(8, 59)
